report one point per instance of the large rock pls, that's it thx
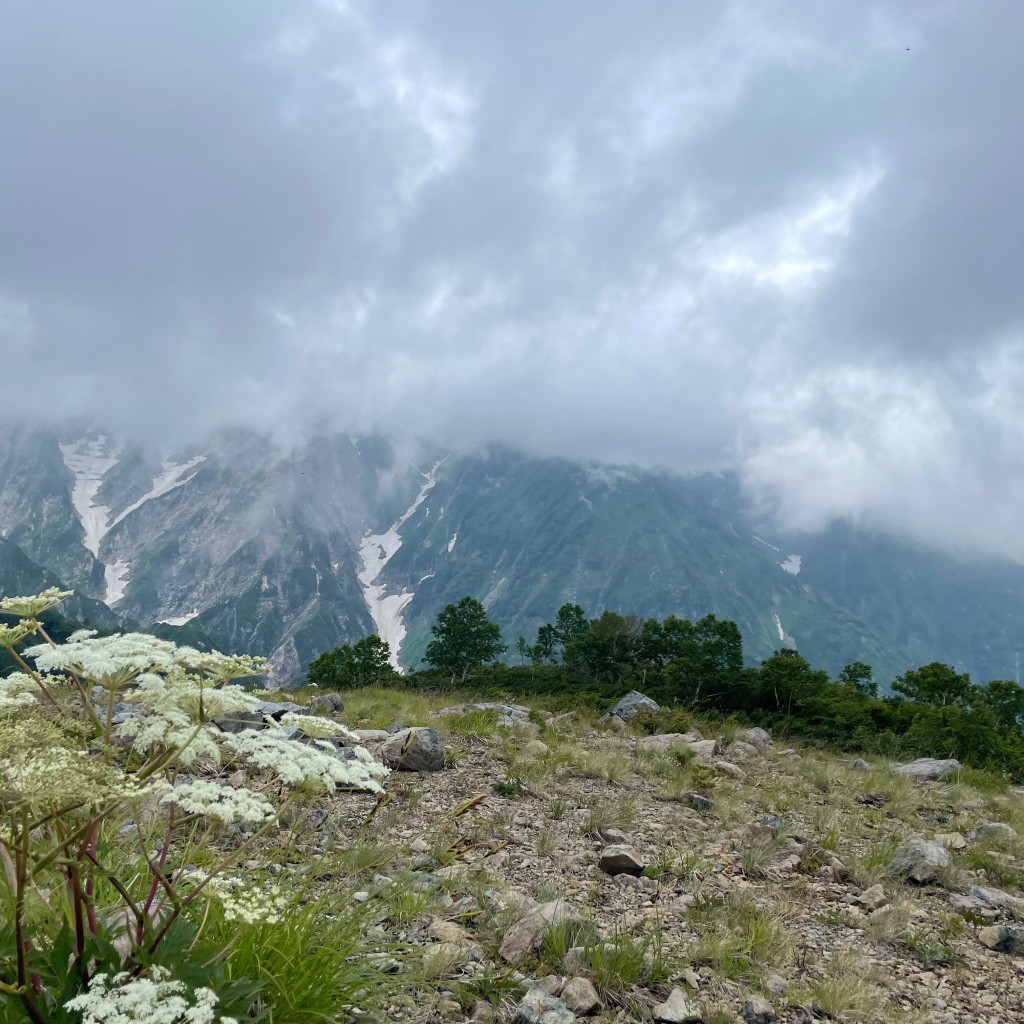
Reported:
(581, 997)
(920, 860)
(757, 1010)
(755, 737)
(980, 899)
(527, 933)
(329, 703)
(1003, 938)
(677, 1009)
(991, 830)
(666, 741)
(631, 705)
(929, 768)
(507, 713)
(620, 860)
(538, 1007)
(414, 750)
(276, 710)
(239, 721)
(740, 751)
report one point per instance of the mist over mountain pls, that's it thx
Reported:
(288, 553)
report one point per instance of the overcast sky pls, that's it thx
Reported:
(783, 237)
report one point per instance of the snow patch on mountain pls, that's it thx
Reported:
(116, 576)
(451, 543)
(89, 458)
(376, 550)
(172, 476)
(180, 620)
(788, 642)
(792, 564)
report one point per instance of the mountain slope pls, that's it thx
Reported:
(526, 535)
(287, 553)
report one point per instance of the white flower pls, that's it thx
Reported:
(30, 607)
(318, 728)
(17, 690)
(241, 902)
(301, 764)
(190, 694)
(105, 657)
(225, 803)
(154, 1000)
(173, 729)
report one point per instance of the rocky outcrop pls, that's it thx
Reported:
(414, 750)
(929, 768)
(920, 860)
(631, 705)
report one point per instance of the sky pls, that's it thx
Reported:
(781, 238)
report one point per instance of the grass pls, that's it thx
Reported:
(604, 814)
(1000, 874)
(314, 963)
(848, 991)
(739, 938)
(623, 963)
(760, 851)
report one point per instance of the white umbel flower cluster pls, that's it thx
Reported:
(17, 690)
(241, 902)
(306, 765)
(319, 728)
(100, 657)
(158, 999)
(225, 803)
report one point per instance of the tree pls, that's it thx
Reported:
(705, 660)
(859, 677)
(464, 638)
(553, 639)
(786, 681)
(935, 684)
(361, 664)
(1005, 699)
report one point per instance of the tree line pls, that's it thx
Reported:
(932, 711)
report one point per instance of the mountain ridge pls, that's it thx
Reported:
(289, 553)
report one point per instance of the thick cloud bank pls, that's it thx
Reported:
(778, 236)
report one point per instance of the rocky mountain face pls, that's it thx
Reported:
(287, 553)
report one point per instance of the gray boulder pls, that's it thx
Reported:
(738, 750)
(239, 721)
(414, 750)
(631, 705)
(276, 710)
(329, 703)
(756, 737)
(929, 768)
(757, 1010)
(1003, 938)
(620, 860)
(981, 899)
(677, 1009)
(527, 933)
(581, 997)
(538, 1007)
(991, 830)
(920, 860)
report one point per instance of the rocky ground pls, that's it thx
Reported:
(536, 868)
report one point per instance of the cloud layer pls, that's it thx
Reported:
(782, 237)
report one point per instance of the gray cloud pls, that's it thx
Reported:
(776, 236)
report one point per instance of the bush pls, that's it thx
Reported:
(116, 852)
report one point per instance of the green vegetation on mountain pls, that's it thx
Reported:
(464, 638)
(934, 711)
